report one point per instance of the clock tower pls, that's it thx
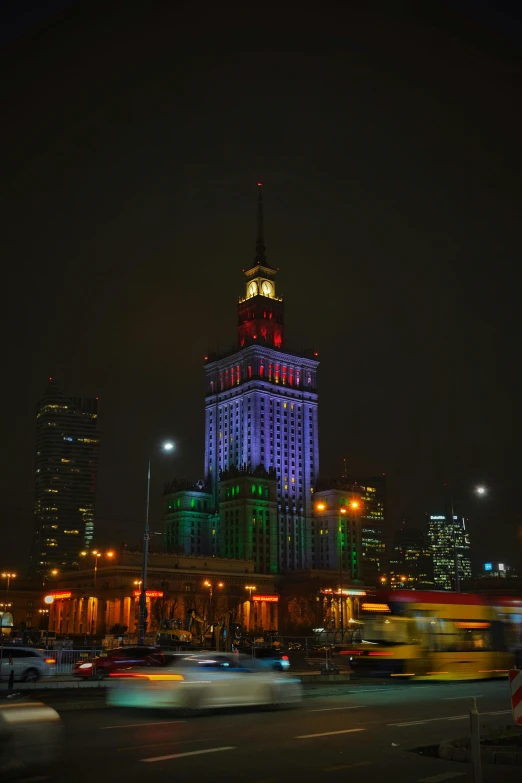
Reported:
(260, 312)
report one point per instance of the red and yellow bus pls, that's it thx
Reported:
(437, 635)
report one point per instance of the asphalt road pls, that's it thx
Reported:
(364, 733)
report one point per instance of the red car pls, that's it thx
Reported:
(121, 658)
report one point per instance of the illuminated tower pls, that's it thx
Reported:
(67, 454)
(261, 410)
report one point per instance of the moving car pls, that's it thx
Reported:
(30, 738)
(202, 681)
(269, 658)
(28, 663)
(120, 658)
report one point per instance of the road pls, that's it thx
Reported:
(366, 732)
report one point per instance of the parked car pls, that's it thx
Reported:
(120, 658)
(202, 681)
(28, 663)
(295, 646)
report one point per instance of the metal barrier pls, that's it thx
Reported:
(65, 659)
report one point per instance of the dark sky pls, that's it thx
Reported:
(388, 140)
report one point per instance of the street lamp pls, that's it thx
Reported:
(96, 555)
(354, 505)
(167, 447)
(8, 575)
(250, 588)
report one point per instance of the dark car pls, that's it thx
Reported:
(121, 658)
(269, 658)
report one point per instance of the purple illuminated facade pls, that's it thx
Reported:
(261, 409)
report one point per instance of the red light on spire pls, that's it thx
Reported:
(259, 184)
(50, 379)
(206, 358)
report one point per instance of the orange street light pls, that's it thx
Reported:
(354, 504)
(320, 507)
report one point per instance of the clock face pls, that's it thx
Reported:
(252, 289)
(266, 288)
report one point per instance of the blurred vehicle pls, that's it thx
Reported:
(121, 658)
(28, 663)
(202, 681)
(430, 635)
(295, 646)
(30, 738)
(269, 658)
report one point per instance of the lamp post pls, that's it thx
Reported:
(96, 554)
(208, 583)
(250, 588)
(354, 505)
(167, 447)
(8, 575)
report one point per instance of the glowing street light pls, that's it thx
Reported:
(167, 447)
(250, 588)
(481, 490)
(8, 575)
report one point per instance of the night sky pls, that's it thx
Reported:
(389, 144)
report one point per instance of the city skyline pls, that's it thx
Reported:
(130, 219)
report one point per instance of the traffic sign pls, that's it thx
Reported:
(515, 684)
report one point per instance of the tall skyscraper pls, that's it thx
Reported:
(66, 468)
(450, 544)
(261, 408)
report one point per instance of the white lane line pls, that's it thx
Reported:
(331, 709)
(139, 725)
(442, 776)
(452, 698)
(450, 717)
(189, 753)
(431, 720)
(328, 733)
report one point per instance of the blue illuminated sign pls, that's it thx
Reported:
(488, 566)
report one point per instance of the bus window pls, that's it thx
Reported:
(461, 636)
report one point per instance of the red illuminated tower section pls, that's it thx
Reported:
(261, 312)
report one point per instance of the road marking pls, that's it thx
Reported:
(139, 725)
(442, 776)
(452, 698)
(327, 733)
(331, 709)
(348, 766)
(431, 720)
(498, 712)
(189, 753)
(161, 744)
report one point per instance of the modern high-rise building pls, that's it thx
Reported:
(411, 561)
(261, 410)
(66, 468)
(449, 541)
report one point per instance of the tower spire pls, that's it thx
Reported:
(260, 257)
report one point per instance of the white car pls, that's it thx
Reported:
(28, 663)
(31, 739)
(202, 681)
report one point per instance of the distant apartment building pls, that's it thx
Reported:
(66, 469)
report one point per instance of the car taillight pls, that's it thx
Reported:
(153, 677)
(50, 660)
(284, 657)
(380, 654)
